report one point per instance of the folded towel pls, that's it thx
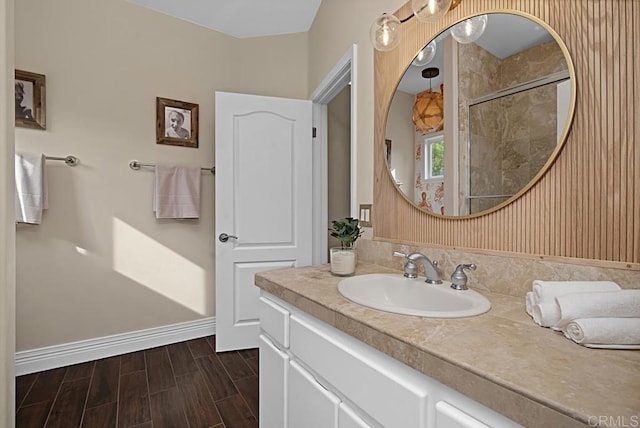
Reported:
(546, 314)
(177, 191)
(614, 333)
(530, 301)
(546, 291)
(599, 304)
(31, 188)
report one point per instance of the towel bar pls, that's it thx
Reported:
(69, 160)
(136, 165)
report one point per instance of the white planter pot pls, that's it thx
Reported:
(343, 261)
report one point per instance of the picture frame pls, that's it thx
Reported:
(30, 95)
(176, 123)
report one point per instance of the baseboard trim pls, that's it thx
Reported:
(50, 357)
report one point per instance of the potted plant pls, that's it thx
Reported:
(343, 258)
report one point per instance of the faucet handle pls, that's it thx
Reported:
(399, 254)
(410, 268)
(459, 278)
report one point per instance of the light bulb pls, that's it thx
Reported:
(384, 32)
(425, 56)
(470, 29)
(430, 10)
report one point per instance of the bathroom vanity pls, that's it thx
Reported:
(328, 362)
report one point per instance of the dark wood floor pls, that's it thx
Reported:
(180, 385)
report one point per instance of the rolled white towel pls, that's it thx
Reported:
(546, 314)
(547, 291)
(599, 304)
(530, 302)
(613, 333)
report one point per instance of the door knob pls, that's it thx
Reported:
(224, 237)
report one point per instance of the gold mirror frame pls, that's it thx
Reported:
(552, 157)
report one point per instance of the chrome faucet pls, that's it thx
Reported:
(431, 269)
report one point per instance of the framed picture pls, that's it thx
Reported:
(177, 123)
(30, 100)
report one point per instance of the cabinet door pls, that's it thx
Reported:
(274, 368)
(347, 418)
(310, 405)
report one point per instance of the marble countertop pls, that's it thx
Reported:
(502, 359)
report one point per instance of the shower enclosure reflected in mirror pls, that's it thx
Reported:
(480, 133)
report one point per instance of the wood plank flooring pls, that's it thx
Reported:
(184, 384)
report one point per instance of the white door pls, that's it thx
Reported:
(263, 203)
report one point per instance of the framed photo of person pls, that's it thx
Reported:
(176, 123)
(30, 100)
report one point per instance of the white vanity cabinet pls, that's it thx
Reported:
(313, 375)
(310, 405)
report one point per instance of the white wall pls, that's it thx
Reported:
(402, 133)
(100, 263)
(7, 229)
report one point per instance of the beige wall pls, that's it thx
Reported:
(100, 263)
(338, 25)
(7, 230)
(339, 158)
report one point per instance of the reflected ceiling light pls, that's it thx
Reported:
(426, 55)
(385, 30)
(469, 30)
(428, 109)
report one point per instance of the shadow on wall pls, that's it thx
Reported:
(71, 287)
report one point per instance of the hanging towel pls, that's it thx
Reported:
(613, 333)
(177, 191)
(32, 194)
(603, 304)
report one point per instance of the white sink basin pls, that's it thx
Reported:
(400, 295)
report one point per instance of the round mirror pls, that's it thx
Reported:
(474, 128)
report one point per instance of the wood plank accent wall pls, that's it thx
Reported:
(587, 205)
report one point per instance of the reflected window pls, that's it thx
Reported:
(434, 161)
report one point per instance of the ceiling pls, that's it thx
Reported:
(505, 35)
(241, 18)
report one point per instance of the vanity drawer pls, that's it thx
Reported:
(274, 321)
(385, 389)
(448, 416)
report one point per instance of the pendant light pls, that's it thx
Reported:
(430, 10)
(384, 32)
(428, 109)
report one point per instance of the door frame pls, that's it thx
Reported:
(342, 74)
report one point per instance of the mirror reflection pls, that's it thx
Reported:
(473, 126)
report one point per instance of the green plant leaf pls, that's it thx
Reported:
(347, 230)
